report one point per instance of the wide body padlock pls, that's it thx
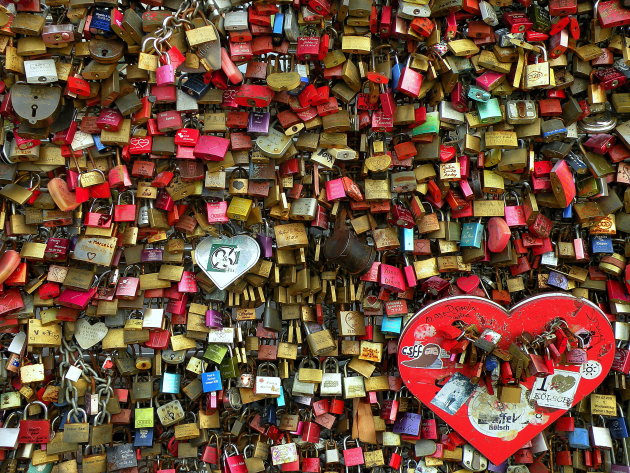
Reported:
(34, 431)
(579, 438)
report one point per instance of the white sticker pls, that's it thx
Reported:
(73, 373)
(556, 390)
(591, 369)
(496, 419)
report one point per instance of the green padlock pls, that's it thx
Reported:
(215, 352)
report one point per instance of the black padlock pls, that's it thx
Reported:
(194, 85)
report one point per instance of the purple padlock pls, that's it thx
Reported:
(258, 122)
(214, 319)
(265, 242)
(500, 468)
(151, 255)
(407, 423)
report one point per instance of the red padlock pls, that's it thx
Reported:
(125, 212)
(109, 119)
(34, 431)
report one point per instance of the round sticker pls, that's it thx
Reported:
(591, 369)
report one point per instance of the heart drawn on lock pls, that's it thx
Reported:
(88, 335)
(498, 429)
(468, 283)
(224, 260)
(140, 142)
(91, 255)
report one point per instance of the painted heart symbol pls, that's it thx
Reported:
(562, 383)
(87, 334)
(224, 260)
(140, 142)
(497, 429)
(91, 255)
(468, 283)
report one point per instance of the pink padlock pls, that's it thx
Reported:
(489, 80)
(128, 285)
(410, 81)
(211, 148)
(335, 190)
(188, 282)
(76, 299)
(217, 212)
(392, 278)
(165, 75)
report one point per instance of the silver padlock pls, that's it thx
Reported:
(488, 15)
(291, 30)
(409, 11)
(81, 141)
(549, 259)
(236, 20)
(40, 71)
(185, 102)
(343, 154)
(448, 113)
(473, 460)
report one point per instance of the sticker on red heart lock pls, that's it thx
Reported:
(498, 429)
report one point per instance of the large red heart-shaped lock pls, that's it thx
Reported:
(495, 428)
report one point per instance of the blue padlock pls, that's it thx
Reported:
(280, 400)
(406, 239)
(601, 244)
(579, 438)
(269, 414)
(567, 212)
(278, 24)
(194, 85)
(143, 438)
(478, 94)
(98, 144)
(101, 22)
(170, 383)
(618, 426)
(396, 73)
(472, 235)
(391, 325)
(211, 381)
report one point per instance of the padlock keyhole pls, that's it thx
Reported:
(104, 52)
(34, 109)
